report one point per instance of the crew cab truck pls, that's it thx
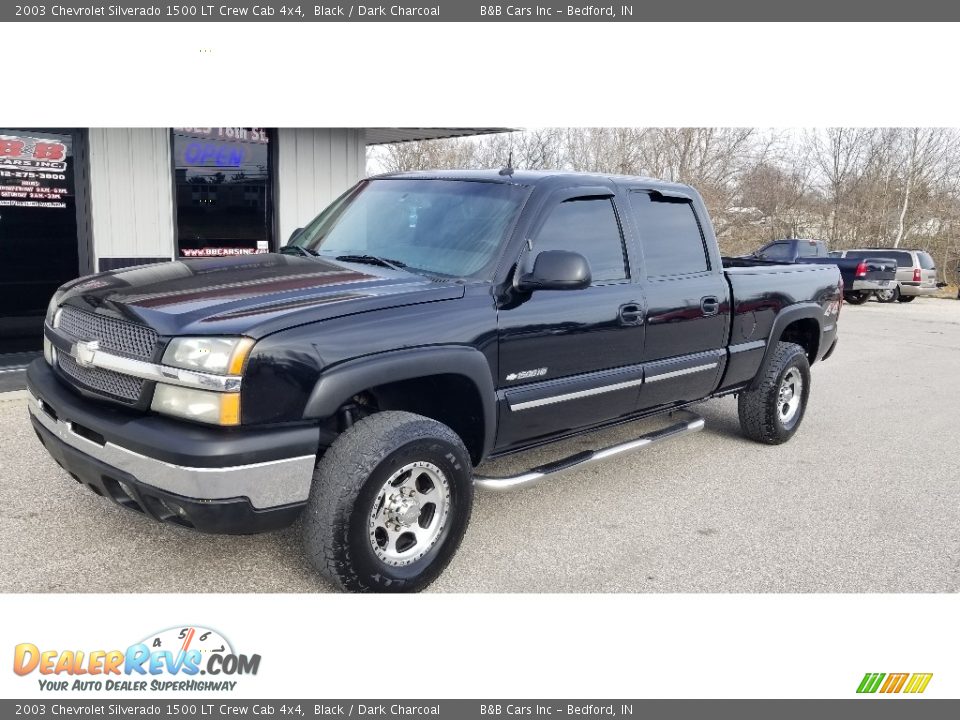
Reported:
(862, 278)
(423, 323)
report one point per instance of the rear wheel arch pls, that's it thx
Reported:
(804, 332)
(799, 324)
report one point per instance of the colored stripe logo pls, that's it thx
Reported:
(914, 683)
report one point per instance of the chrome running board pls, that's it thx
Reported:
(588, 457)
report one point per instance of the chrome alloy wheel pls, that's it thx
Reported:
(789, 396)
(886, 295)
(409, 513)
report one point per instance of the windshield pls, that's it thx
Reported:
(444, 227)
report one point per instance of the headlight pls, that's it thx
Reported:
(219, 355)
(201, 405)
(52, 307)
(214, 355)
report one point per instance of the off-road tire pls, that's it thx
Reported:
(856, 298)
(759, 409)
(348, 480)
(893, 297)
(906, 298)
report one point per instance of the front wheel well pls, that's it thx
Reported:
(805, 333)
(451, 399)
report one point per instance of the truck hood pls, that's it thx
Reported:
(252, 295)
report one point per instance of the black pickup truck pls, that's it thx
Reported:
(423, 323)
(862, 278)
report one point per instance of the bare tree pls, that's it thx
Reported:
(851, 186)
(838, 153)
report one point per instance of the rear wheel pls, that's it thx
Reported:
(906, 298)
(389, 505)
(856, 298)
(773, 411)
(889, 295)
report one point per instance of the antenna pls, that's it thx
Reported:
(508, 170)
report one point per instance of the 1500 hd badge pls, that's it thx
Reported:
(526, 374)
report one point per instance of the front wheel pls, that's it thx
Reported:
(773, 411)
(389, 505)
(889, 295)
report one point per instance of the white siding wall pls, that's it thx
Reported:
(131, 192)
(314, 166)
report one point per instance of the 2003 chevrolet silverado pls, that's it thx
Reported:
(423, 323)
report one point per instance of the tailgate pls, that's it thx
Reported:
(880, 269)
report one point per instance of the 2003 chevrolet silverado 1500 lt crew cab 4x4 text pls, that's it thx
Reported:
(423, 323)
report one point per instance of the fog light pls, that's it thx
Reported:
(49, 352)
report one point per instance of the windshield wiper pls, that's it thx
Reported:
(373, 260)
(298, 250)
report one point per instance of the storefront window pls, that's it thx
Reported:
(38, 230)
(223, 186)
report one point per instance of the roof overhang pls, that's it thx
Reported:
(386, 136)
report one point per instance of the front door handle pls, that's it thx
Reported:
(710, 305)
(631, 314)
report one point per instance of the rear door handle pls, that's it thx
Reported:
(710, 305)
(631, 314)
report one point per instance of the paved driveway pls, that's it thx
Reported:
(866, 498)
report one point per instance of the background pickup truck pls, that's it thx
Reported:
(422, 324)
(862, 277)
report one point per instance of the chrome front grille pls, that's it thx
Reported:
(108, 382)
(137, 341)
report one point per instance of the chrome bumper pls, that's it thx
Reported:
(918, 290)
(265, 485)
(870, 285)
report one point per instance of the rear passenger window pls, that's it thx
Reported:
(809, 248)
(587, 226)
(777, 252)
(670, 235)
(926, 261)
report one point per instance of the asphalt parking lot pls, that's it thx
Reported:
(865, 498)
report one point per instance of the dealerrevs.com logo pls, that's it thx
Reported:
(176, 659)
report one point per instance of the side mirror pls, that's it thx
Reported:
(294, 235)
(557, 270)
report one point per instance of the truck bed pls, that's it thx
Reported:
(877, 269)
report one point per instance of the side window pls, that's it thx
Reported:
(808, 249)
(777, 252)
(587, 226)
(670, 235)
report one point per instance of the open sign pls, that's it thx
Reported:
(214, 154)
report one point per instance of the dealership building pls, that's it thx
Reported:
(78, 201)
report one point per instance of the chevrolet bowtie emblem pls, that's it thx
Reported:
(84, 352)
